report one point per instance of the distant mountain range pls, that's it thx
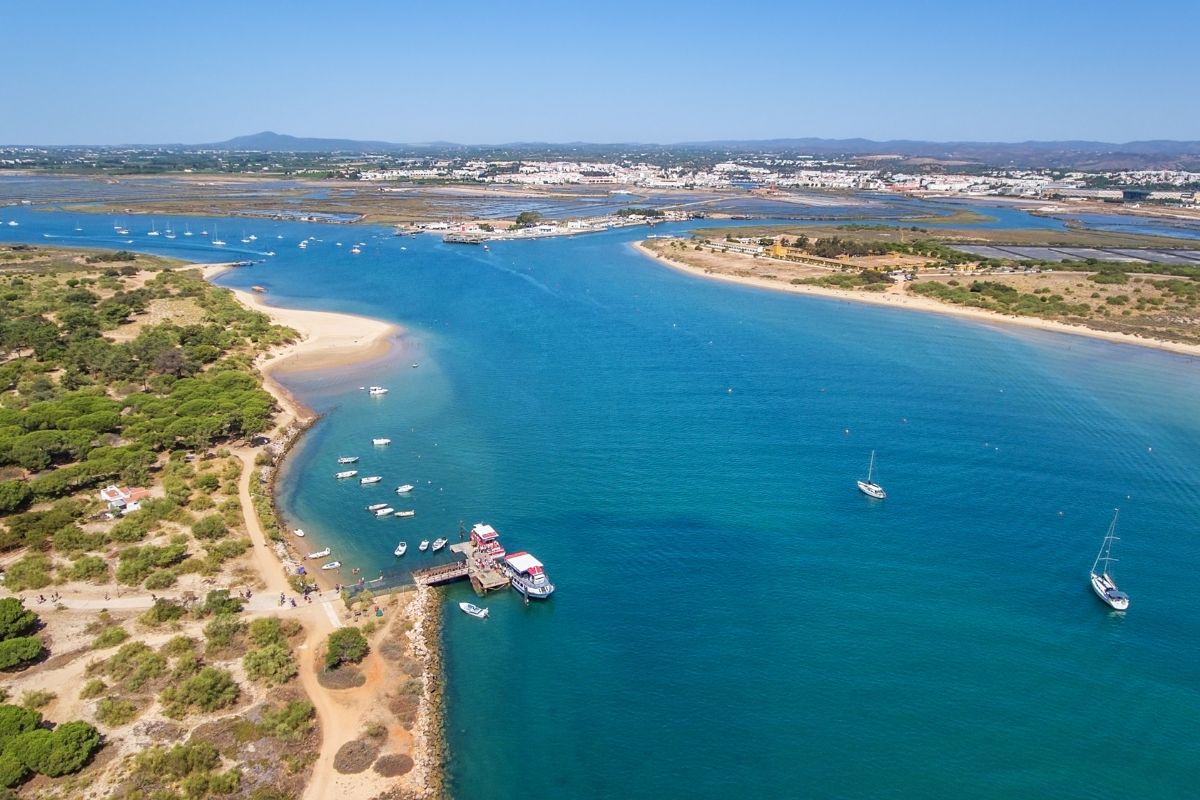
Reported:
(1084, 155)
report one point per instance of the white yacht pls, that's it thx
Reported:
(406, 513)
(868, 487)
(350, 473)
(381, 442)
(1102, 583)
(438, 544)
(405, 489)
(383, 512)
(400, 550)
(473, 610)
(170, 231)
(347, 459)
(528, 575)
(153, 230)
(320, 553)
(216, 238)
(370, 479)
(187, 231)
(377, 390)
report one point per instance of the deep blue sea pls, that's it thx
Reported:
(733, 619)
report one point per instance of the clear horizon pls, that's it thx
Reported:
(162, 74)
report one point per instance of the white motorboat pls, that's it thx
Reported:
(383, 512)
(376, 506)
(320, 553)
(424, 545)
(331, 565)
(438, 544)
(355, 250)
(868, 487)
(350, 473)
(347, 459)
(404, 489)
(414, 366)
(381, 442)
(303, 244)
(473, 610)
(370, 479)
(252, 237)
(406, 513)
(401, 549)
(298, 532)
(528, 575)
(377, 390)
(1102, 583)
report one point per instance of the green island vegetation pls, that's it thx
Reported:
(635, 211)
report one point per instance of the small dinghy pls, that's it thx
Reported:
(350, 473)
(347, 459)
(383, 512)
(406, 513)
(331, 565)
(473, 610)
(381, 442)
(377, 390)
(319, 553)
(376, 506)
(438, 544)
(424, 545)
(298, 532)
(401, 549)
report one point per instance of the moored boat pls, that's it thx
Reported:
(377, 390)
(347, 459)
(350, 473)
(528, 575)
(1102, 583)
(424, 545)
(473, 610)
(376, 506)
(298, 532)
(380, 442)
(408, 512)
(320, 553)
(331, 565)
(868, 487)
(383, 512)
(438, 544)
(370, 479)
(401, 549)
(404, 489)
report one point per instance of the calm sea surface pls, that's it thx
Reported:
(733, 619)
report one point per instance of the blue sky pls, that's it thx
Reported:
(148, 72)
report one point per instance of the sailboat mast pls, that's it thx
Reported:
(1105, 553)
(871, 466)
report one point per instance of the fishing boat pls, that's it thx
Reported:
(350, 473)
(401, 549)
(377, 390)
(406, 513)
(381, 442)
(370, 479)
(424, 545)
(473, 610)
(347, 459)
(383, 512)
(405, 489)
(1102, 583)
(320, 553)
(376, 506)
(299, 532)
(331, 565)
(528, 575)
(868, 487)
(438, 544)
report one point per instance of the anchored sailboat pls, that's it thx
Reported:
(868, 487)
(1102, 583)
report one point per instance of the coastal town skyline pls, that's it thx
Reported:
(557, 74)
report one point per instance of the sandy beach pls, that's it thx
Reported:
(897, 297)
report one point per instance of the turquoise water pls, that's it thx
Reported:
(733, 618)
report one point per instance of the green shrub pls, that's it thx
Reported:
(14, 495)
(209, 690)
(31, 572)
(15, 619)
(93, 688)
(19, 651)
(115, 713)
(219, 602)
(161, 612)
(210, 527)
(110, 637)
(160, 579)
(135, 664)
(37, 698)
(179, 646)
(345, 645)
(291, 721)
(222, 631)
(59, 752)
(265, 631)
(272, 665)
(15, 721)
(93, 569)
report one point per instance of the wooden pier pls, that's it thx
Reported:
(484, 575)
(443, 573)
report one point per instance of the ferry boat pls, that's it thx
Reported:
(400, 550)
(376, 506)
(377, 390)
(370, 479)
(424, 545)
(406, 513)
(528, 575)
(438, 544)
(473, 610)
(383, 512)
(404, 489)
(320, 553)
(347, 459)
(331, 565)
(381, 442)
(350, 473)
(298, 532)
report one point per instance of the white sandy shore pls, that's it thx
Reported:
(896, 297)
